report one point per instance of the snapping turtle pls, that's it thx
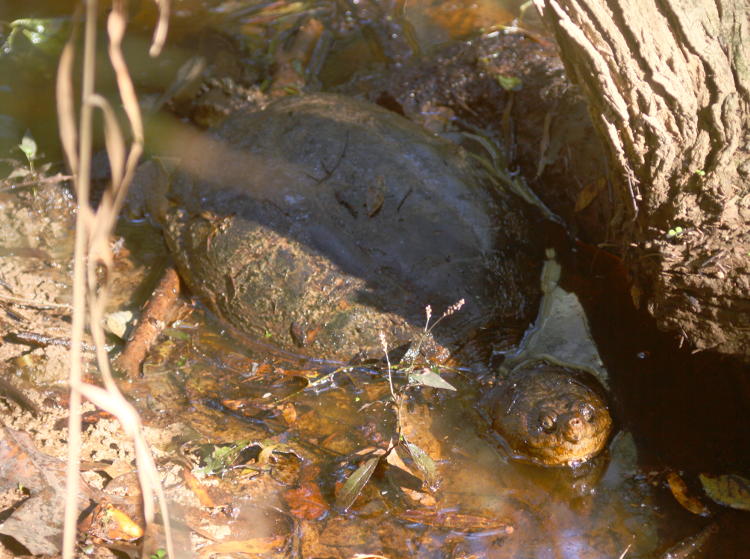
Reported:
(550, 414)
(322, 221)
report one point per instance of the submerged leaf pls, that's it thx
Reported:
(426, 377)
(36, 523)
(730, 490)
(692, 546)
(254, 546)
(45, 35)
(680, 491)
(457, 521)
(423, 461)
(306, 502)
(218, 458)
(356, 482)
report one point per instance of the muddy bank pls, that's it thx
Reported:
(513, 88)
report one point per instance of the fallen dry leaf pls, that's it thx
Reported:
(680, 491)
(112, 524)
(306, 502)
(197, 488)
(37, 522)
(118, 468)
(729, 489)
(589, 193)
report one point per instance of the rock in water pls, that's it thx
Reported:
(322, 221)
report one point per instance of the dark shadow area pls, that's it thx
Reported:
(687, 411)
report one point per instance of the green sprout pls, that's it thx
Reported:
(509, 83)
(676, 232)
(158, 554)
(29, 149)
(700, 173)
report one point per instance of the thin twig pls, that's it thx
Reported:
(93, 252)
(43, 340)
(36, 181)
(390, 371)
(82, 174)
(35, 304)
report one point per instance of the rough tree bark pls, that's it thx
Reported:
(668, 87)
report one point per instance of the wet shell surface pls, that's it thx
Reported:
(322, 221)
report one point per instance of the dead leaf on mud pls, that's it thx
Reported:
(112, 524)
(37, 522)
(250, 529)
(458, 522)
(306, 502)
(589, 193)
(253, 546)
(118, 468)
(197, 488)
(730, 490)
(680, 491)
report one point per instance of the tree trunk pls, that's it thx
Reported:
(668, 87)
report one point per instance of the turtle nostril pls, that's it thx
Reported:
(573, 429)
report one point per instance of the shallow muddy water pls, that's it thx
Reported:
(484, 504)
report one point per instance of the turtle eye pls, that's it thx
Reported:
(586, 411)
(547, 421)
